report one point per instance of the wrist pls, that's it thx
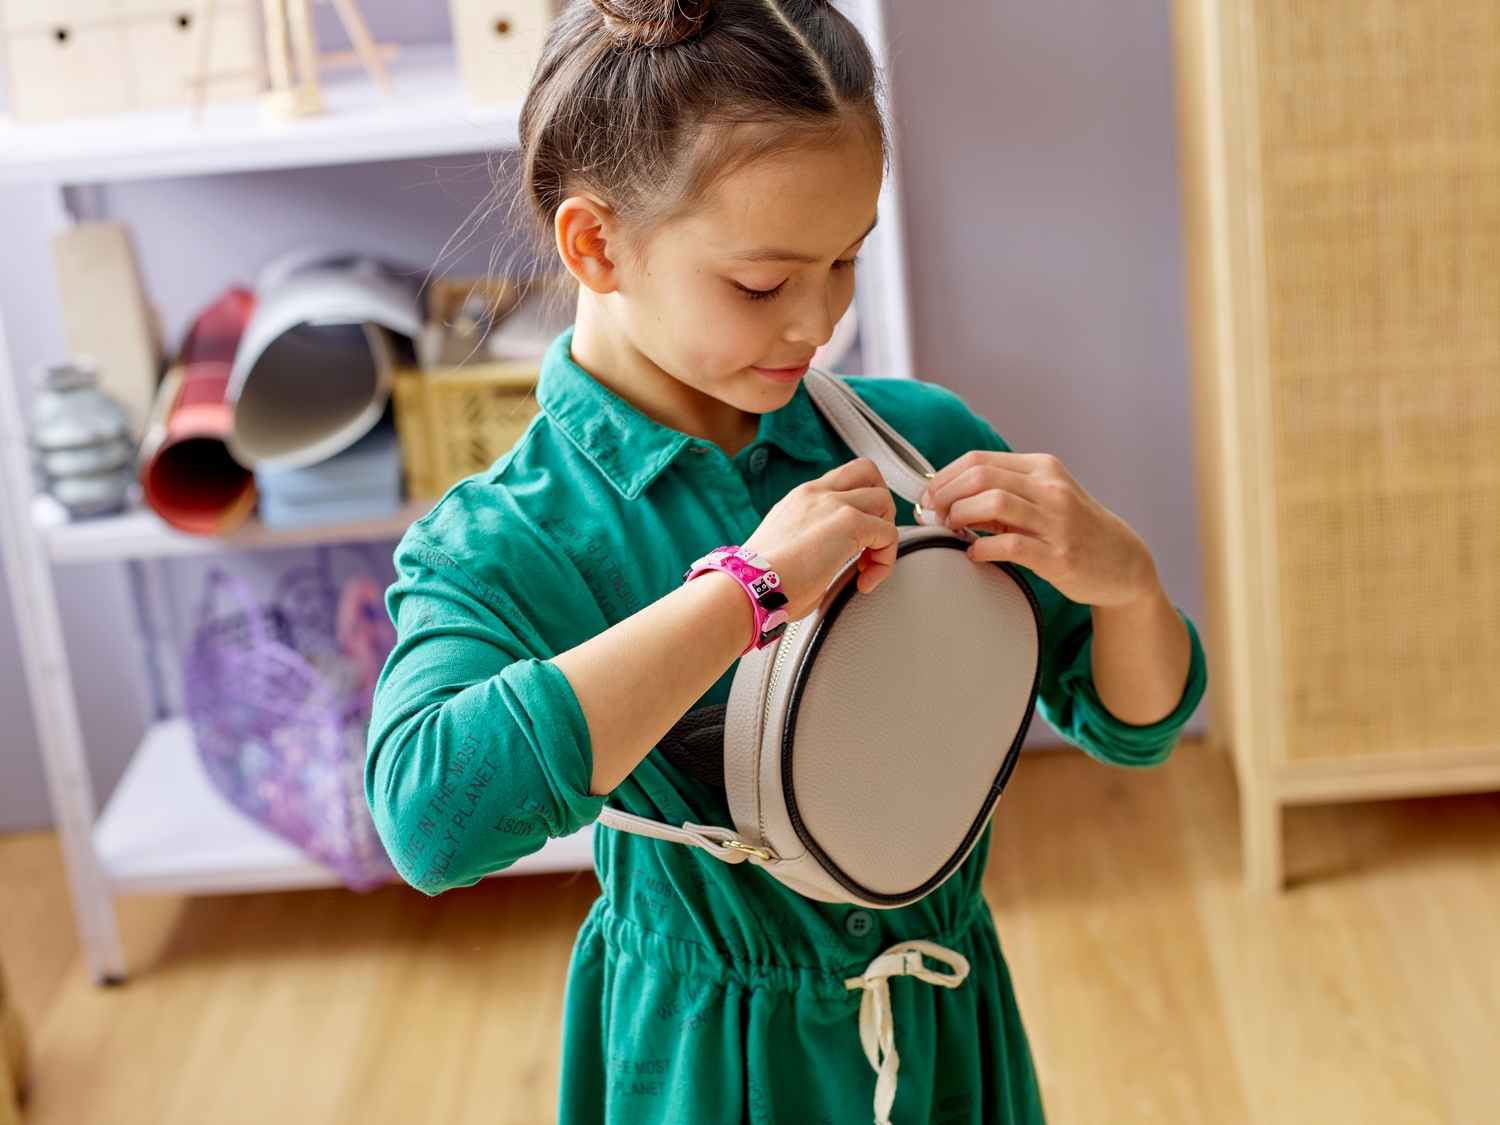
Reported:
(1140, 590)
(724, 608)
(1141, 605)
(758, 581)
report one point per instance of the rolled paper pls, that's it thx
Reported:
(313, 371)
(187, 473)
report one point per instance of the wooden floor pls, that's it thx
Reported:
(1154, 989)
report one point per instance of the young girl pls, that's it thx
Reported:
(710, 170)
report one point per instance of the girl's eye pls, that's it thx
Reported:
(759, 294)
(846, 263)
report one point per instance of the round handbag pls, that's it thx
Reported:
(864, 752)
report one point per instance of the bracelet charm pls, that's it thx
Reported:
(761, 583)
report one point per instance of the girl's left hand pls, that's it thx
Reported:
(1039, 517)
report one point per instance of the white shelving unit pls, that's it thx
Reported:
(426, 117)
(142, 534)
(165, 828)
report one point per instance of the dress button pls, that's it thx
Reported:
(859, 923)
(759, 458)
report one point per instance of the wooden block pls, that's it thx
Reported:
(47, 13)
(160, 48)
(68, 57)
(104, 308)
(65, 70)
(498, 43)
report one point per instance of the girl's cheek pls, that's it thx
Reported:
(730, 326)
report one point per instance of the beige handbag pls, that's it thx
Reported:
(863, 753)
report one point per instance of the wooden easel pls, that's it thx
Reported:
(293, 61)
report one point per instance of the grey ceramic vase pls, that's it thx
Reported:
(82, 440)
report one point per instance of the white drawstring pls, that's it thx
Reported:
(877, 1029)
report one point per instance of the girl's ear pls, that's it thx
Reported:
(583, 228)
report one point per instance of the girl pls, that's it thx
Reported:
(709, 170)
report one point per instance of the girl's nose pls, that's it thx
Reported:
(813, 325)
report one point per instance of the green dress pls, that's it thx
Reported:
(699, 993)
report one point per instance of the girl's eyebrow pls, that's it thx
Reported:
(770, 254)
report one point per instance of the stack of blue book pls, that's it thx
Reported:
(361, 483)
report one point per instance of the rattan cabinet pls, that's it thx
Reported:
(1342, 201)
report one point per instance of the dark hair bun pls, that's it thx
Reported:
(654, 23)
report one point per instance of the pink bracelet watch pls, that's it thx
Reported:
(754, 573)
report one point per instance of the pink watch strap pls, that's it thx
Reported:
(754, 573)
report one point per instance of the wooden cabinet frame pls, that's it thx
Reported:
(1223, 206)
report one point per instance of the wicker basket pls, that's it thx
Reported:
(457, 422)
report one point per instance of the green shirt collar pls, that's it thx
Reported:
(631, 450)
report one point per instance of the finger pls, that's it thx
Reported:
(876, 501)
(990, 528)
(859, 473)
(875, 567)
(1011, 547)
(872, 533)
(1016, 462)
(873, 575)
(997, 506)
(877, 541)
(982, 478)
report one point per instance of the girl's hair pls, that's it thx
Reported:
(643, 103)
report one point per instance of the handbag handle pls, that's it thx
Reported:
(905, 470)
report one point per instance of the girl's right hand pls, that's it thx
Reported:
(815, 530)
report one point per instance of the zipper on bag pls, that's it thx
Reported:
(782, 648)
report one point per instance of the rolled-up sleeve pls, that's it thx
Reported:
(479, 751)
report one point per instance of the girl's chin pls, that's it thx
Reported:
(783, 375)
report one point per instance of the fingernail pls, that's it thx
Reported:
(926, 500)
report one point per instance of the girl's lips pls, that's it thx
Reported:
(783, 374)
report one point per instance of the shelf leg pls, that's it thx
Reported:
(50, 685)
(152, 639)
(1261, 839)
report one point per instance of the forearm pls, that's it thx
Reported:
(468, 782)
(636, 679)
(1141, 658)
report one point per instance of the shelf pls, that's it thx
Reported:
(427, 117)
(142, 534)
(167, 830)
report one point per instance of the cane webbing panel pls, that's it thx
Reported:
(1380, 133)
